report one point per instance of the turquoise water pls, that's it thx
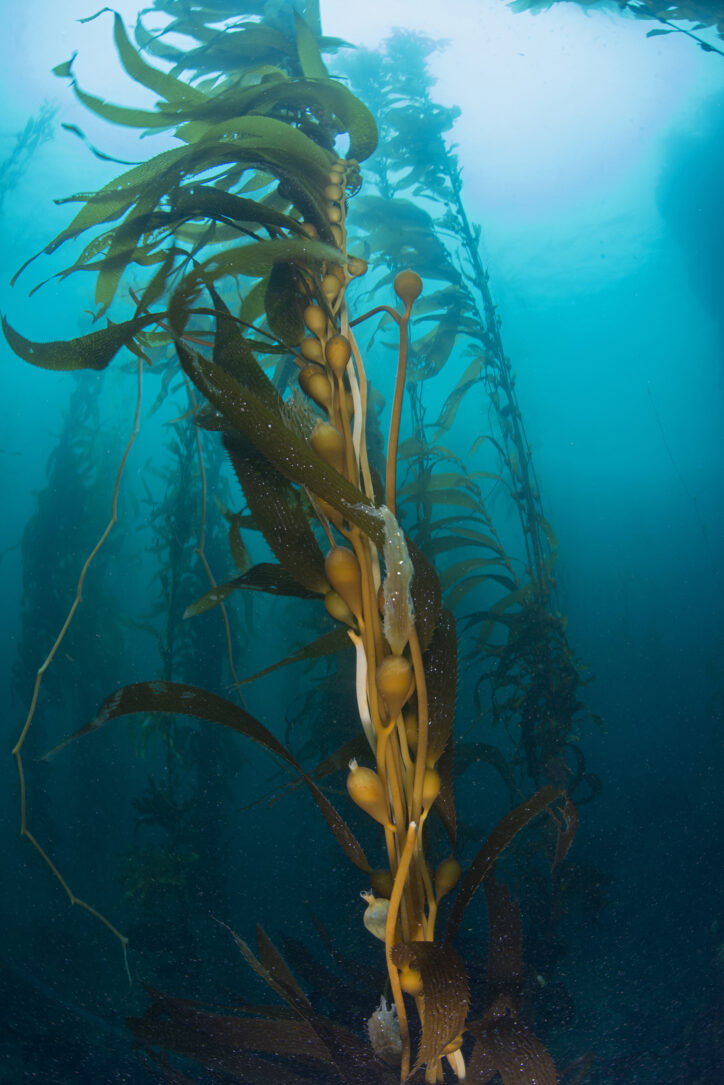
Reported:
(592, 159)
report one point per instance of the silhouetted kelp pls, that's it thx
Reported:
(258, 190)
(702, 14)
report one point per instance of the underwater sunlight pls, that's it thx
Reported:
(363, 390)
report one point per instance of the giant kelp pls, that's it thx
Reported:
(258, 191)
(672, 17)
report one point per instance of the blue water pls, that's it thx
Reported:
(603, 233)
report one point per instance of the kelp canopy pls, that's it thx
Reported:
(250, 239)
(687, 18)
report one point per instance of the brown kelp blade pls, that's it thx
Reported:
(178, 698)
(504, 968)
(441, 674)
(505, 1046)
(446, 993)
(498, 840)
(228, 1044)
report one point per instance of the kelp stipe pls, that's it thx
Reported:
(275, 210)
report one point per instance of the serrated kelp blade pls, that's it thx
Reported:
(498, 840)
(177, 698)
(92, 351)
(505, 1046)
(446, 993)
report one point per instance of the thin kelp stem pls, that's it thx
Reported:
(390, 940)
(17, 749)
(394, 437)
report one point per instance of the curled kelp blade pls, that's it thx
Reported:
(92, 351)
(498, 840)
(178, 698)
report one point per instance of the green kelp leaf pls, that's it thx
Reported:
(275, 141)
(470, 377)
(65, 70)
(92, 351)
(285, 304)
(176, 698)
(266, 577)
(310, 58)
(497, 612)
(122, 115)
(462, 498)
(252, 307)
(207, 201)
(326, 645)
(233, 354)
(442, 544)
(259, 257)
(441, 673)
(282, 447)
(278, 513)
(236, 543)
(325, 97)
(457, 594)
(211, 598)
(166, 86)
(498, 840)
(109, 202)
(658, 33)
(549, 533)
(123, 248)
